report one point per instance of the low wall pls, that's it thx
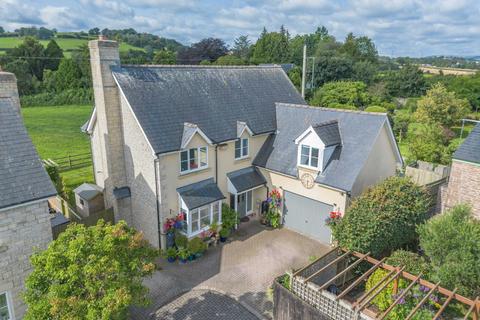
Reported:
(287, 306)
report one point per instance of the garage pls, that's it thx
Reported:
(307, 216)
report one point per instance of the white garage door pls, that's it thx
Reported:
(307, 216)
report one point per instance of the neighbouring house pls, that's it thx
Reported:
(464, 181)
(183, 139)
(25, 188)
(89, 199)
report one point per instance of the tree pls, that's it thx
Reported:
(32, 51)
(360, 48)
(441, 107)
(81, 57)
(21, 69)
(406, 82)
(383, 218)
(332, 68)
(68, 75)
(54, 54)
(2, 30)
(230, 60)
(242, 47)
(430, 142)
(451, 241)
(350, 93)
(207, 49)
(165, 57)
(272, 47)
(90, 273)
(133, 56)
(94, 31)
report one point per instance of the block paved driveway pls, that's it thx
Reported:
(230, 281)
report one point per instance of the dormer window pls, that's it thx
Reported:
(309, 156)
(241, 148)
(193, 159)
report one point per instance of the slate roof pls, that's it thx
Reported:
(329, 133)
(200, 193)
(88, 191)
(163, 98)
(469, 150)
(121, 193)
(246, 178)
(22, 176)
(359, 131)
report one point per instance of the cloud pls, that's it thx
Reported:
(398, 27)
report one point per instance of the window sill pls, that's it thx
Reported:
(242, 158)
(302, 166)
(184, 173)
(196, 233)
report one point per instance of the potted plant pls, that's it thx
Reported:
(273, 217)
(183, 254)
(171, 254)
(224, 233)
(197, 247)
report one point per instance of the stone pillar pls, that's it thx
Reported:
(8, 87)
(104, 54)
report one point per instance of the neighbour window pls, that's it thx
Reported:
(4, 310)
(193, 159)
(201, 218)
(241, 148)
(309, 156)
(81, 202)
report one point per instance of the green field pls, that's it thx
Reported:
(55, 132)
(65, 44)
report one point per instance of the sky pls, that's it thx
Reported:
(398, 27)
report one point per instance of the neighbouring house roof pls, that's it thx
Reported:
(163, 98)
(87, 127)
(285, 66)
(469, 150)
(58, 219)
(88, 191)
(121, 193)
(200, 193)
(359, 130)
(329, 132)
(22, 176)
(246, 179)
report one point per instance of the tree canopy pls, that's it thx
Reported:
(89, 273)
(342, 94)
(272, 47)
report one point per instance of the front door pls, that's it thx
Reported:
(244, 203)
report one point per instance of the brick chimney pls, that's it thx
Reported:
(8, 87)
(104, 54)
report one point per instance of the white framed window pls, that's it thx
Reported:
(200, 219)
(309, 156)
(6, 312)
(241, 148)
(193, 159)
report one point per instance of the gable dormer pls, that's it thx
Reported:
(317, 144)
(189, 131)
(241, 128)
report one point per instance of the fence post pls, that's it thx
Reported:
(69, 162)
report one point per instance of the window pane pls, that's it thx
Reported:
(304, 160)
(305, 155)
(314, 162)
(216, 209)
(205, 216)
(183, 160)
(4, 307)
(249, 201)
(195, 220)
(203, 156)
(184, 223)
(315, 152)
(193, 158)
(245, 147)
(238, 149)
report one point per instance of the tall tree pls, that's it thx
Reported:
(242, 47)
(342, 94)
(272, 47)
(54, 54)
(68, 75)
(165, 57)
(207, 49)
(94, 31)
(90, 273)
(32, 51)
(406, 82)
(2, 30)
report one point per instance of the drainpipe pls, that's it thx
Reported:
(159, 214)
(216, 163)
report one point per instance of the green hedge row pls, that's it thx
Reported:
(71, 96)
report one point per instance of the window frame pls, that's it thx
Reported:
(310, 157)
(244, 144)
(198, 159)
(9, 304)
(196, 213)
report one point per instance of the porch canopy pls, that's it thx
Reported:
(245, 179)
(200, 193)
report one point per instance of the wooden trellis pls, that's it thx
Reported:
(310, 284)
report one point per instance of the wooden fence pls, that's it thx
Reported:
(72, 161)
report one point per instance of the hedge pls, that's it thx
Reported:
(71, 96)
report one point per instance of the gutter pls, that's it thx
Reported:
(159, 214)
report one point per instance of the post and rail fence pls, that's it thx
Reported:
(71, 161)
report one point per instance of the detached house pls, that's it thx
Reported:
(25, 188)
(170, 139)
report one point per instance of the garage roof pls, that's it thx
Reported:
(359, 131)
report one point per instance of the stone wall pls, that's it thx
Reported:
(22, 230)
(463, 186)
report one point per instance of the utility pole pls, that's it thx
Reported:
(304, 69)
(313, 73)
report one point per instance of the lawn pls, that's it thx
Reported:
(65, 44)
(55, 132)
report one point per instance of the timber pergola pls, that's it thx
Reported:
(392, 276)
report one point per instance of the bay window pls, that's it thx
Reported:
(241, 148)
(193, 159)
(200, 219)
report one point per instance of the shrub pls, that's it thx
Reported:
(376, 109)
(229, 217)
(197, 245)
(384, 218)
(413, 263)
(71, 96)
(224, 233)
(452, 243)
(181, 241)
